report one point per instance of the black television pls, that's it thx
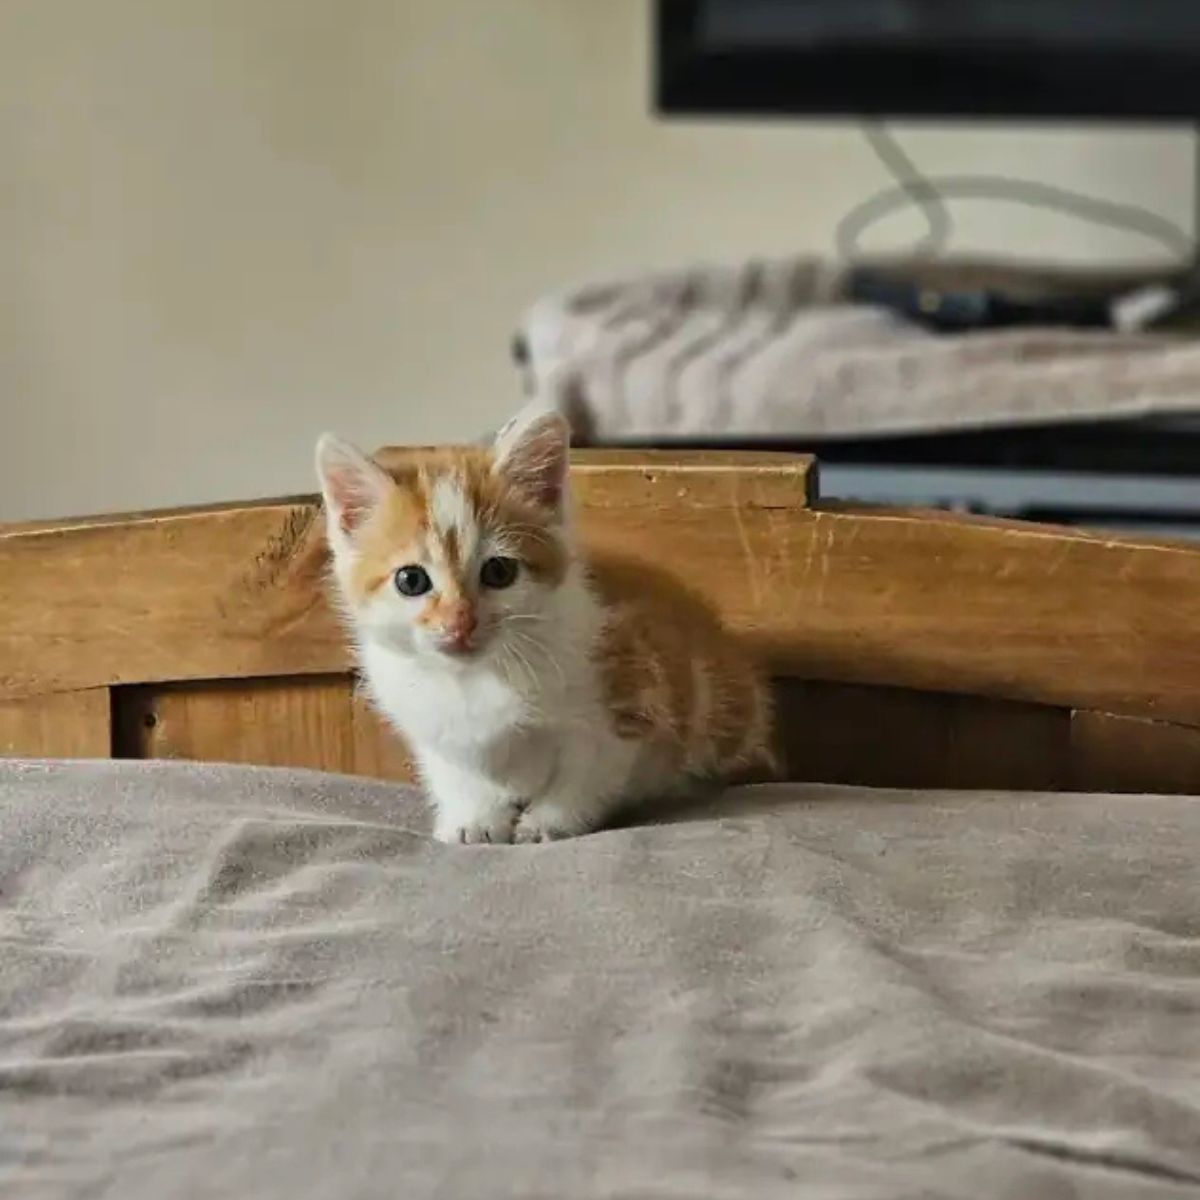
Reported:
(1106, 59)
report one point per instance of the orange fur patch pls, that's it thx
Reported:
(673, 675)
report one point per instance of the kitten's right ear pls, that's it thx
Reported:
(352, 485)
(531, 453)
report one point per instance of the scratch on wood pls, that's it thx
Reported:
(826, 554)
(289, 547)
(284, 579)
(814, 534)
(780, 557)
(752, 569)
(1056, 563)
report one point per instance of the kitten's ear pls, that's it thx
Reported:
(531, 453)
(353, 486)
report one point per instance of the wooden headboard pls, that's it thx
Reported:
(912, 648)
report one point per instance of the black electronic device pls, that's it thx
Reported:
(1110, 59)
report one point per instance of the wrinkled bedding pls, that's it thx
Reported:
(234, 982)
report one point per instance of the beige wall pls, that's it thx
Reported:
(228, 224)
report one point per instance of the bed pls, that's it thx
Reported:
(955, 952)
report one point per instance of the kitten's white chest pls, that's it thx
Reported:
(467, 709)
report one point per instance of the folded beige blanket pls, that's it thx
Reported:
(771, 350)
(236, 983)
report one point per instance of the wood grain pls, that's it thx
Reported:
(892, 737)
(613, 478)
(58, 725)
(935, 602)
(318, 722)
(302, 722)
(923, 601)
(223, 593)
(1125, 754)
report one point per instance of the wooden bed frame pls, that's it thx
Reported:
(912, 649)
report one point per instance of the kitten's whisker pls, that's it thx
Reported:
(544, 650)
(510, 652)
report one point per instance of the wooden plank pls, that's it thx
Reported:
(693, 479)
(58, 725)
(1006, 744)
(226, 593)
(886, 737)
(1126, 754)
(236, 591)
(936, 602)
(835, 733)
(270, 722)
(891, 737)
(924, 601)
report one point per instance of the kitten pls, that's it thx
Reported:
(537, 692)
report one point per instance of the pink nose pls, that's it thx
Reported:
(460, 629)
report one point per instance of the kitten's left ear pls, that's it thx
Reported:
(352, 484)
(531, 452)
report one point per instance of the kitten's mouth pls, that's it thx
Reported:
(462, 648)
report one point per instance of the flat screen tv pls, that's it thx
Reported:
(1110, 59)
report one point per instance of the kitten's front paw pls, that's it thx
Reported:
(547, 823)
(494, 827)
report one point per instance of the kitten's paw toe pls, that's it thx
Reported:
(544, 825)
(526, 832)
(493, 829)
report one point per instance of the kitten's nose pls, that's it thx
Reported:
(460, 628)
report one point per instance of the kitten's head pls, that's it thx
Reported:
(459, 553)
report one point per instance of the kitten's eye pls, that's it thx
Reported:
(413, 581)
(498, 572)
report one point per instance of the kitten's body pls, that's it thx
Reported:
(577, 688)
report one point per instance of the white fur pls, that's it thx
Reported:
(451, 510)
(515, 743)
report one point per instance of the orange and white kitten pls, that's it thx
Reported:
(538, 692)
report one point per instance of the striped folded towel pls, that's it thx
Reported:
(773, 351)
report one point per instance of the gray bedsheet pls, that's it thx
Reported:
(224, 982)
